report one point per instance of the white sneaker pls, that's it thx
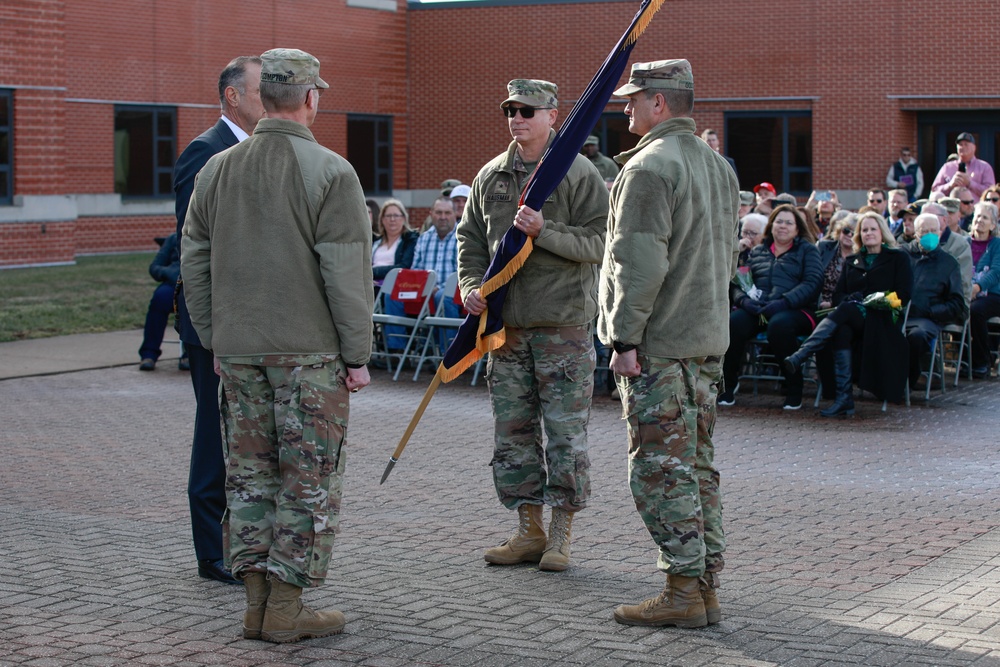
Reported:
(729, 397)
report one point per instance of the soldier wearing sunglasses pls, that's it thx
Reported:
(542, 379)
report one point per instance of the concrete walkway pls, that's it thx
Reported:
(65, 354)
(867, 541)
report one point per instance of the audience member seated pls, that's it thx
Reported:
(991, 196)
(394, 247)
(746, 202)
(937, 292)
(985, 285)
(865, 336)
(953, 244)
(765, 192)
(166, 266)
(898, 202)
(373, 216)
(953, 214)
(833, 251)
(751, 232)
(905, 233)
(786, 268)
(966, 202)
(878, 200)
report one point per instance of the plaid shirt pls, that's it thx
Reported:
(437, 254)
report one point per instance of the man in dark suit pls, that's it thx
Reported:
(239, 94)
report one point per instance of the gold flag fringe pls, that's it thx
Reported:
(644, 19)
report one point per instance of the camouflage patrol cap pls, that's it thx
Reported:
(532, 93)
(592, 140)
(950, 204)
(747, 198)
(447, 185)
(290, 66)
(658, 75)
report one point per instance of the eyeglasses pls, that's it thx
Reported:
(526, 112)
(875, 201)
(749, 234)
(968, 203)
(393, 216)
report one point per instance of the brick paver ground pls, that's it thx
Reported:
(868, 541)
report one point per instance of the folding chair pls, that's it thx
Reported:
(761, 364)
(936, 366)
(963, 342)
(432, 351)
(411, 289)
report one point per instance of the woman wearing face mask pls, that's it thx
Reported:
(785, 267)
(985, 283)
(864, 335)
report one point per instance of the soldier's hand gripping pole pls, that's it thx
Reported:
(413, 423)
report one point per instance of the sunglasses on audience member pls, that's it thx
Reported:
(875, 201)
(968, 203)
(526, 112)
(993, 200)
(847, 230)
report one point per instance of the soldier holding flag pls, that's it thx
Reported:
(542, 377)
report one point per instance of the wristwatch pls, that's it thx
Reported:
(622, 348)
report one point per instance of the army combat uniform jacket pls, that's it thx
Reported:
(557, 284)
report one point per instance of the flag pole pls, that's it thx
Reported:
(428, 395)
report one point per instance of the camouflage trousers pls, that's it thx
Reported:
(284, 421)
(670, 412)
(542, 377)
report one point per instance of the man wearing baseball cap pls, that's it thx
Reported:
(967, 171)
(765, 195)
(670, 255)
(276, 256)
(542, 379)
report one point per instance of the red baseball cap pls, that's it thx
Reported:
(765, 186)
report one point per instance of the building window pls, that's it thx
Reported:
(773, 147)
(612, 130)
(145, 146)
(369, 150)
(6, 146)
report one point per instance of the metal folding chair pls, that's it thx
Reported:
(432, 352)
(410, 324)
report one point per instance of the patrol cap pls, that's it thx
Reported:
(533, 93)
(658, 75)
(447, 185)
(290, 66)
(747, 198)
(950, 204)
(461, 190)
(785, 198)
(592, 140)
(965, 136)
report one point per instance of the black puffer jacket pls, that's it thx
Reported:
(796, 276)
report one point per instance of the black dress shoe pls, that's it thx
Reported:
(215, 569)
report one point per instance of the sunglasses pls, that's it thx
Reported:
(875, 201)
(993, 200)
(968, 203)
(847, 230)
(526, 112)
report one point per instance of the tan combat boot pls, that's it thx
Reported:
(258, 588)
(556, 556)
(708, 584)
(288, 620)
(679, 604)
(526, 545)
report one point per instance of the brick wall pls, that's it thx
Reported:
(37, 243)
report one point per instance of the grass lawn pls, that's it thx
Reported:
(105, 293)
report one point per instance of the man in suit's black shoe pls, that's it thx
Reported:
(216, 569)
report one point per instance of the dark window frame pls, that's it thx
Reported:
(7, 160)
(783, 184)
(376, 178)
(161, 175)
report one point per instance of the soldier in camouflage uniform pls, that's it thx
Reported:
(607, 167)
(541, 380)
(276, 255)
(670, 255)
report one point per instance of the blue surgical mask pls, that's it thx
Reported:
(929, 241)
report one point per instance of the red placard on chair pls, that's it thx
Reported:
(409, 290)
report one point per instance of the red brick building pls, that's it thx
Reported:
(100, 96)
